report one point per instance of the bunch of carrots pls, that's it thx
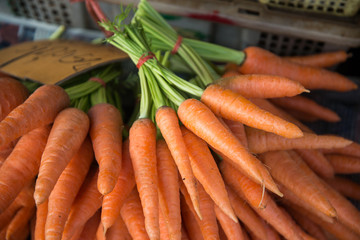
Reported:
(206, 158)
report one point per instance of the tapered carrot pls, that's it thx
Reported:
(90, 227)
(322, 60)
(67, 134)
(168, 124)
(7, 215)
(39, 109)
(222, 235)
(21, 221)
(207, 172)
(200, 120)
(143, 156)
(169, 195)
(133, 216)
(231, 229)
(164, 233)
(237, 128)
(345, 186)
(352, 150)
(106, 135)
(189, 220)
(307, 106)
(22, 165)
(118, 231)
(289, 172)
(303, 116)
(41, 213)
(21, 234)
(261, 61)
(262, 86)
(230, 105)
(87, 202)
(316, 160)
(260, 141)
(344, 164)
(65, 190)
(113, 201)
(184, 234)
(12, 94)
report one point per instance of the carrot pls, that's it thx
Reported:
(41, 213)
(231, 67)
(133, 216)
(12, 94)
(289, 172)
(322, 60)
(22, 165)
(233, 106)
(302, 116)
(189, 220)
(39, 109)
(169, 196)
(207, 172)
(100, 232)
(168, 124)
(87, 202)
(118, 231)
(106, 135)
(261, 61)
(4, 154)
(90, 227)
(20, 234)
(222, 234)
(67, 134)
(230, 73)
(260, 141)
(143, 156)
(262, 86)
(113, 201)
(317, 162)
(271, 233)
(344, 164)
(164, 233)
(247, 216)
(21, 221)
(200, 120)
(307, 106)
(352, 150)
(345, 186)
(62, 196)
(238, 129)
(231, 229)
(184, 234)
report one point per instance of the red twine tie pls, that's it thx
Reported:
(99, 80)
(177, 45)
(144, 58)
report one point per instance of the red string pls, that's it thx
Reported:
(144, 58)
(177, 45)
(99, 80)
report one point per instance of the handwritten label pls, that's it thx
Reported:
(52, 62)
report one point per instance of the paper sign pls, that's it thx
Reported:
(53, 62)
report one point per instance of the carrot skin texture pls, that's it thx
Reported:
(22, 165)
(238, 129)
(343, 164)
(118, 231)
(106, 135)
(113, 201)
(73, 175)
(39, 109)
(351, 150)
(41, 213)
(189, 220)
(262, 86)
(261, 61)
(68, 132)
(169, 194)
(233, 106)
(12, 94)
(345, 186)
(321, 60)
(143, 155)
(21, 221)
(231, 229)
(168, 124)
(90, 227)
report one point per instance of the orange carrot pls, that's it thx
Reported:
(222, 235)
(231, 67)
(344, 164)
(207, 172)
(322, 60)
(230, 105)
(262, 86)
(90, 227)
(238, 129)
(65, 190)
(317, 162)
(289, 172)
(4, 153)
(271, 233)
(113, 201)
(168, 124)
(345, 186)
(164, 233)
(184, 234)
(189, 220)
(39, 109)
(21, 221)
(106, 135)
(261, 61)
(169, 196)
(307, 106)
(302, 116)
(231, 229)
(200, 120)
(67, 134)
(22, 165)
(41, 213)
(12, 94)
(260, 141)
(230, 73)
(87, 202)
(143, 156)
(133, 216)
(352, 150)
(118, 231)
